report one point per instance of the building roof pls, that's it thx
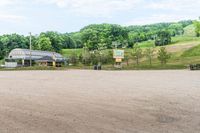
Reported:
(45, 58)
(26, 54)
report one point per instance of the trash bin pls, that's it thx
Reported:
(99, 67)
(191, 67)
(95, 67)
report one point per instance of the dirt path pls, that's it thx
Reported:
(100, 102)
(182, 46)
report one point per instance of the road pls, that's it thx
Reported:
(100, 101)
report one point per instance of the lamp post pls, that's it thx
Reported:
(30, 47)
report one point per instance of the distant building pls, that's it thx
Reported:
(22, 57)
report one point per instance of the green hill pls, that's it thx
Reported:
(195, 51)
(189, 30)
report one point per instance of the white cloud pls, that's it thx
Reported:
(98, 8)
(11, 18)
(168, 11)
(178, 5)
(7, 2)
(157, 18)
(7, 16)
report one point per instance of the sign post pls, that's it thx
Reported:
(118, 55)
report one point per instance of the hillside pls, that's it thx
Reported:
(189, 30)
(184, 50)
(194, 51)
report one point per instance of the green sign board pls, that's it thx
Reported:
(118, 54)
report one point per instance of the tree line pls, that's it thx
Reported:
(95, 37)
(101, 57)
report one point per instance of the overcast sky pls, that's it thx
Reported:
(23, 16)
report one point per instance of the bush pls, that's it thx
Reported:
(86, 58)
(163, 55)
(163, 38)
(73, 58)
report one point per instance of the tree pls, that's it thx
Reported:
(73, 58)
(95, 57)
(127, 58)
(96, 34)
(76, 36)
(163, 55)
(67, 42)
(90, 38)
(13, 41)
(176, 29)
(197, 28)
(44, 43)
(2, 52)
(55, 38)
(86, 56)
(149, 54)
(137, 53)
(163, 38)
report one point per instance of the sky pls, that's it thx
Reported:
(24, 16)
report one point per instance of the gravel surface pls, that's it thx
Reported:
(100, 101)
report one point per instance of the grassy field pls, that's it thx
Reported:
(68, 52)
(189, 31)
(193, 52)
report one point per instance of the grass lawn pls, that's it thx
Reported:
(195, 51)
(68, 52)
(147, 44)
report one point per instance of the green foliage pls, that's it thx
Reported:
(189, 31)
(85, 57)
(146, 44)
(2, 52)
(197, 28)
(163, 38)
(181, 39)
(68, 42)
(149, 32)
(44, 44)
(176, 29)
(96, 34)
(68, 52)
(149, 54)
(195, 51)
(95, 37)
(163, 55)
(77, 39)
(55, 38)
(9, 42)
(137, 53)
(73, 58)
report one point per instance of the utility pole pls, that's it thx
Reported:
(30, 49)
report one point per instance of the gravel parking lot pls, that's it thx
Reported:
(78, 101)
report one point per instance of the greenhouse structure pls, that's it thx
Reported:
(26, 57)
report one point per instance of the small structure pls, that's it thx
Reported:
(23, 57)
(118, 55)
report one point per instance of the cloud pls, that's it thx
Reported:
(98, 8)
(7, 2)
(177, 5)
(158, 18)
(11, 18)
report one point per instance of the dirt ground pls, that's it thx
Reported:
(100, 101)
